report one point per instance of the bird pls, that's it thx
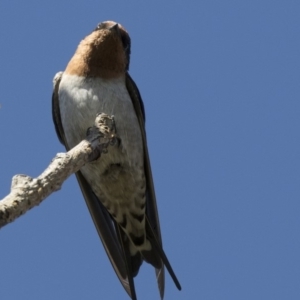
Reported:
(118, 187)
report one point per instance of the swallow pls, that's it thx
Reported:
(118, 187)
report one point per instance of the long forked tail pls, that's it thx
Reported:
(158, 251)
(128, 261)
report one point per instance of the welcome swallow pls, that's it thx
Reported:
(118, 187)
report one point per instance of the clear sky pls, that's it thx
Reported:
(220, 83)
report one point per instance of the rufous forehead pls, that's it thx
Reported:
(108, 24)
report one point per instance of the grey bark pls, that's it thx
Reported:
(27, 192)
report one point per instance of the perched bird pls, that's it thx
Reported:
(118, 187)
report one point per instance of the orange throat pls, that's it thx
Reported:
(98, 56)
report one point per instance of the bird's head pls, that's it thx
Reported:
(103, 53)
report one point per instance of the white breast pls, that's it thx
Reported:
(117, 178)
(80, 99)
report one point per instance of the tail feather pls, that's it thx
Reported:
(152, 257)
(129, 263)
(156, 246)
(160, 276)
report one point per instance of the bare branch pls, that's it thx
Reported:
(27, 192)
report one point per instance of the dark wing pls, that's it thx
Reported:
(151, 208)
(55, 109)
(152, 220)
(102, 219)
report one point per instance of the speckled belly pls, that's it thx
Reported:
(117, 178)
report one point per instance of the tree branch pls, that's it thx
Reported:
(27, 192)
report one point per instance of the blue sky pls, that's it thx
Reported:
(220, 83)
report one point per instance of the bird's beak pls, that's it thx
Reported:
(115, 28)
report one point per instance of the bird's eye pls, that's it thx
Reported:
(125, 42)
